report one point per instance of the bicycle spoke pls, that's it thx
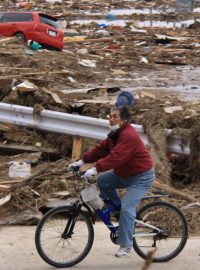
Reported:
(55, 249)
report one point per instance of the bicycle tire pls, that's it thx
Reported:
(53, 248)
(158, 214)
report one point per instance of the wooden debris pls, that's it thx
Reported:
(5, 199)
(5, 128)
(173, 109)
(27, 217)
(7, 40)
(192, 207)
(12, 182)
(169, 38)
(13, 147)
(74, 39)
(4, 188)
(97, 101)
(25, 86)
(119, 73)
(54, 96)
(61, 194)
(54, 202)
(77, 148)
(147, 94)
(174, 191)
(78, 91)
(83, 40)
(61, 72)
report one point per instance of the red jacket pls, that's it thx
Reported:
(125, 153)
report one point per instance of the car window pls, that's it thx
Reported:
(49, 20)
(16, 17)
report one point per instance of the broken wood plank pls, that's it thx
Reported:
(54, 96)
(7, 40)
(17, 68)
(61, 193)
(76, 91)
(5, 199)
(5, 128)
(4, 187)
(11, 182)
(73, 39)
(88, 40)
(77, 148)
(170, 38)
(97, 101)
(35, 73)
(27, 148)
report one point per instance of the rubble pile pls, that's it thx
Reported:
(151, 50)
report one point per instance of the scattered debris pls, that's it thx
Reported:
(26, 86)
(5, 199)
(173, 109)
(87, 63)
(155, 55)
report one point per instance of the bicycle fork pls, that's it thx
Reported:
(72, 218)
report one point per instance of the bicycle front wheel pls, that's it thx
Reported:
(57, 248)
(169, 242)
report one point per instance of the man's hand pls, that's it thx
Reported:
(76, 164)
(90, 173)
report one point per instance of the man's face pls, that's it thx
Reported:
(115, 119)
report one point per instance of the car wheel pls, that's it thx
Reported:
(20, 36)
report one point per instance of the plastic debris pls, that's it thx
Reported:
(87, 63)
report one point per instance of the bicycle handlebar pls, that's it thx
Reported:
(80, 174)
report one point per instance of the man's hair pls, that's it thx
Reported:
(123, 112)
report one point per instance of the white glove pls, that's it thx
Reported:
(76, 164)
(90, 173)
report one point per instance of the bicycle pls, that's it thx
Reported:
(65, 234)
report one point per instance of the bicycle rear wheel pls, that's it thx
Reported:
(170, 241)
(61, 250)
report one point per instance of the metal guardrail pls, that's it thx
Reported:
(74, 125)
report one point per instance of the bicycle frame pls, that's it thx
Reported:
(105, 216)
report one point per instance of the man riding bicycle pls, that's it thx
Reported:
(121, 161)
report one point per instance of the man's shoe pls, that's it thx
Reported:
(123, 251)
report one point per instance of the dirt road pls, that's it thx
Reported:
(17, 251)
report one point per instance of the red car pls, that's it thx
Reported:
(34, 26)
